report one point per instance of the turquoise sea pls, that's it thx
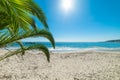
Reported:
(77, 46)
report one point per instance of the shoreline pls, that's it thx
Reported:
(88, 65)
(73, 50)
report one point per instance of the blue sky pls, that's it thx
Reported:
(84, 21)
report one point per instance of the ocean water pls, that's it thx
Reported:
(77, 46)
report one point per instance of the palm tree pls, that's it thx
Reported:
(16, 17)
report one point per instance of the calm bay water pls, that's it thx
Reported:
(77, 46)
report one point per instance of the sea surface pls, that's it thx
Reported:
(77, 46)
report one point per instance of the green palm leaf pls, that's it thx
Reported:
(16, 23)
(21, 11)
(39, 47)
(32, 33)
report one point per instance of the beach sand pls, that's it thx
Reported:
(87, 65)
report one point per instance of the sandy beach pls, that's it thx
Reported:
(87, 65)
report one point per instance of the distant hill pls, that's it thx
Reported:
(113, 40)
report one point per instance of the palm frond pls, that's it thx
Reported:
(21, 11)
(22, 47)
(39, 47)
(17, 17)
(23, 35)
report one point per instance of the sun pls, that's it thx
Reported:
(67, 5)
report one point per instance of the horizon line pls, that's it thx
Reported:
(64, 41)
